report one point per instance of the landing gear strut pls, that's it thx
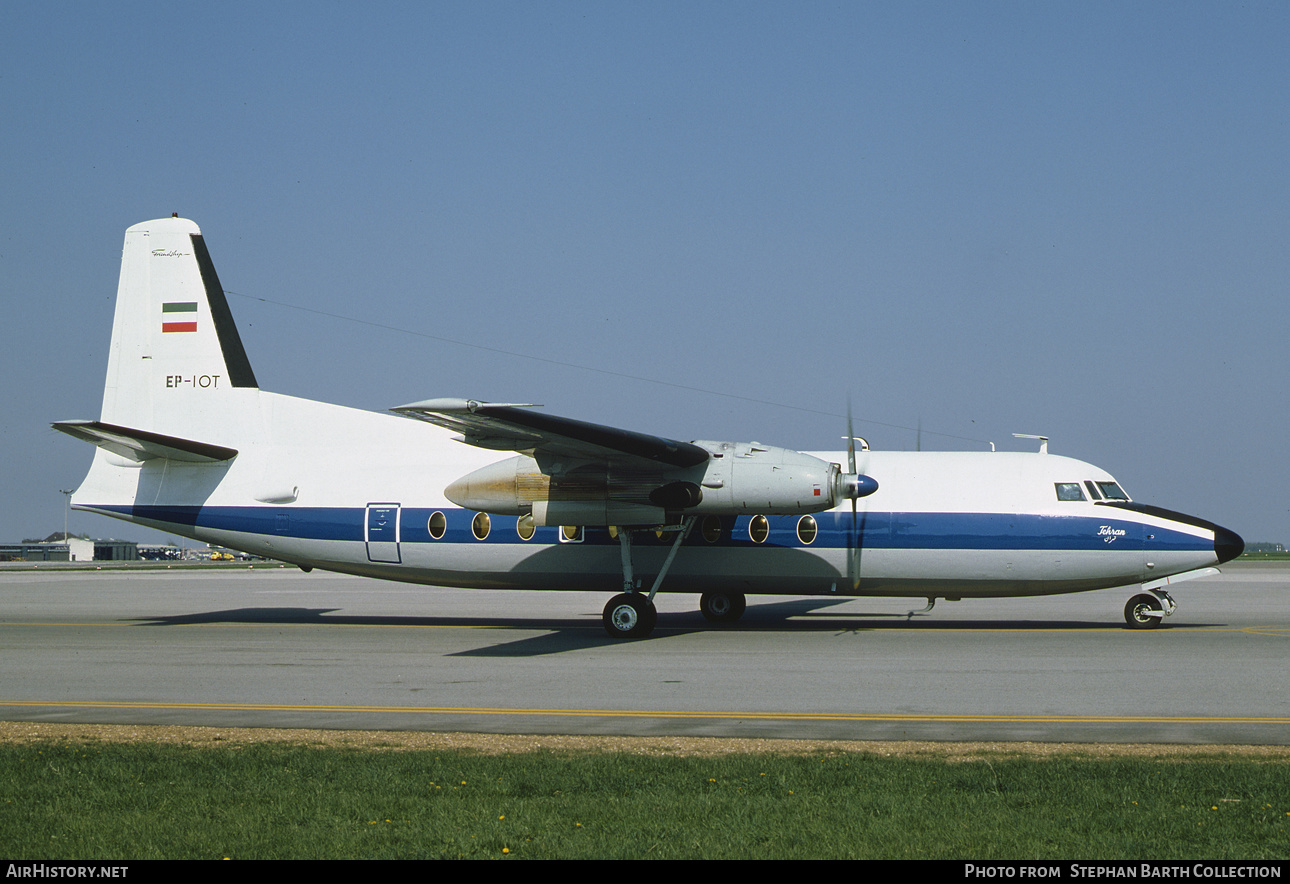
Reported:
(1146, 610)
(631, 614)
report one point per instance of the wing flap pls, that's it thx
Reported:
(141, 445)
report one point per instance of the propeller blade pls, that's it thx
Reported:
(853, 541)
(853, 561)
(851, 442)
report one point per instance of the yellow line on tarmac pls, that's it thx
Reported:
(1282, 631)
(261, 624)
(657, 713)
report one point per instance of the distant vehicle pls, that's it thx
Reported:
(189, 443)
(158, 554)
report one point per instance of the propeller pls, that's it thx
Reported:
(854, 486)
(853, 550)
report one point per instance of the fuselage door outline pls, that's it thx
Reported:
(381, 531)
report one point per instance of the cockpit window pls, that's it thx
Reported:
(1069, 491)
(1092, 490)
(1111, 491)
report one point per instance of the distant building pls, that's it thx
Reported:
(72, 549)
(35, 552)
(115, 551)
(1265, 547)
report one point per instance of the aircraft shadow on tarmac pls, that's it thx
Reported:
(560, 634)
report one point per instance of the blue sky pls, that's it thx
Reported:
(700, 220)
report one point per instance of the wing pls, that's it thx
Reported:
(511, 427)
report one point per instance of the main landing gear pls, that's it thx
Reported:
(1146, 610)
(722, 607)
(631, 614)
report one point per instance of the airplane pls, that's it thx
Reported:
(464, 493)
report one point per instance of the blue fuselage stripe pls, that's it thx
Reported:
(924, 531)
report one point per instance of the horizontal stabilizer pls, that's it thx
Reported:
(140, 445)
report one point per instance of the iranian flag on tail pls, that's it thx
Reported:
(179, 316)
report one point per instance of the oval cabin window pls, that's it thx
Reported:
(711, 529)
(806, 530)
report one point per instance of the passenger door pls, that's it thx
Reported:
(382, 533)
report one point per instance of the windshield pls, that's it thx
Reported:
(1112, 491)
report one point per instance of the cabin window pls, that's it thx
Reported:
(711, 529)
(481, 525)
(758, 529)
(1069, 491)
(806, 530)
(571, 534)
(1111, 491)
(524, 526)
(437, 525)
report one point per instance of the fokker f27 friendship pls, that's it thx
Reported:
(189, 443)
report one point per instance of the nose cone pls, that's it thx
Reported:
(1227, 544)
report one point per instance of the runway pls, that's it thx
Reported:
(277, 647)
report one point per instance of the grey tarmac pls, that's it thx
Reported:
(276, 648)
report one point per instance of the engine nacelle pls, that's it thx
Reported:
(743, 478)
(739, 478)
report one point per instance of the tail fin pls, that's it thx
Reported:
(174, 343)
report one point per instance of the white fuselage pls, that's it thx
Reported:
(188, 443)
(943, 524)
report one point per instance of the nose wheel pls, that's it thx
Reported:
(1147, 610)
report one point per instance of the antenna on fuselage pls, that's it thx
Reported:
(1043, 441)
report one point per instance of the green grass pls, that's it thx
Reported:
(138, 801)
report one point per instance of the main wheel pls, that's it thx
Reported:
(722, 607)
(1143, 612)
(630, 615)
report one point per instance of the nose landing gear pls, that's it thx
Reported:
(1146, 610)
